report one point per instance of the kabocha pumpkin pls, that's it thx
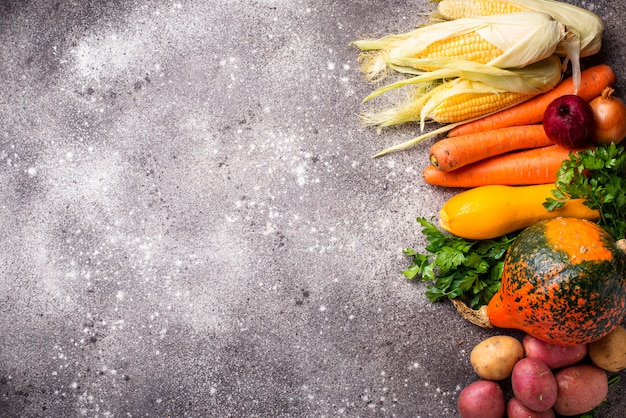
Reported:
(563, 282)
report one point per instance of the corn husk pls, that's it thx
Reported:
(535, 78)
(524, 38)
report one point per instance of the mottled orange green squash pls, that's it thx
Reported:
(563, 282)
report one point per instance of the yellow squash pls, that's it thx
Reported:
(487, 212)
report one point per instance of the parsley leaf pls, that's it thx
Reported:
(599, 177)
(458, 268)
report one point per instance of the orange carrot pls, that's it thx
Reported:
(458, 151)
(533, 166)
(593, 81)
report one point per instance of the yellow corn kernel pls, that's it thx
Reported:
(466, 106)
(457, 9)
(470, 46)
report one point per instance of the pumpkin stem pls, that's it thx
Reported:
(475, 316)
(621, 244)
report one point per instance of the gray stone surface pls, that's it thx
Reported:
(191, 225)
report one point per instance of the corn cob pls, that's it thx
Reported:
(470, 46)
(503, 41)
(465, 106)
(458, 9)
(444, 104)
(586, 25)
(462, 99)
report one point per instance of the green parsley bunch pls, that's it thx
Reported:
(598, 176)
(458, 268)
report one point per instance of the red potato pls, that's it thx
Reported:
(533, 383)
(554, 356)
(516, 409)
(580, 389)
(482, 399)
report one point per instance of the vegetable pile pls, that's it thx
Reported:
(534, 239)
(468, 62)
(531, 378)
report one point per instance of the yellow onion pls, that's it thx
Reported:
(610, 116)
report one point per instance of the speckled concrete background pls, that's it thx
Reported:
(191, 225)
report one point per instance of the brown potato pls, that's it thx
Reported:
(555, 356)
(482, 399)
(580, 389)
(609, 352)
(495, 357)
